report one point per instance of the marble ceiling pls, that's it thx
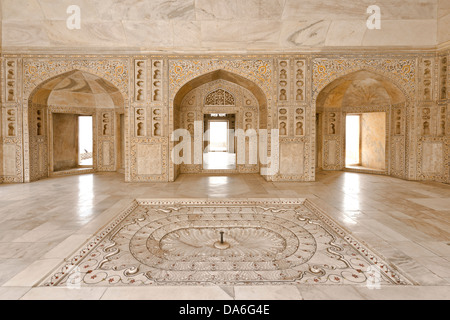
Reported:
(75, 87)
(216, 25)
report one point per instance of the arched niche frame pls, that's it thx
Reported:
(75, 92)
(363, 91)
(208, 77)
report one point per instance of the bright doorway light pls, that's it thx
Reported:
(85, 140)
(218, 135)
(352, 140)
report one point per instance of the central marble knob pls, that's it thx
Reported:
(222, 245)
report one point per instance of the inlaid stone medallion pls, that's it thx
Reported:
(238, 242)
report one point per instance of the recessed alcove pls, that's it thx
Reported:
(355, 122)
(76, 125)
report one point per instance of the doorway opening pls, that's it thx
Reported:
(85, 142)
(365, 141)
(353, 140)
(219, 152)
(218, 135)
(72, 142)
(121, 144)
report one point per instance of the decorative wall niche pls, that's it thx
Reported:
(248, 120)
(332, 123)
(11, 122)
(39, 122)
(299, 122)
(106, 123)
(283, 121)
(189, 123)
(11, 80)
(427, 81)
(157, 80)
(398, 121)
(426, 121)
(140, 122)
(299, 81)
(442, 121)
(140, 81)
(283, 80)
(443, 65)
(157, 122)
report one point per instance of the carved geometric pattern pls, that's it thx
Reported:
(37, 71)
(258, 70)
(219, 97)
(400, 71)
(270, 242)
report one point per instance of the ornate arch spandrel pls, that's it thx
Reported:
(219, 97)
(38, 71)
(401, 72)
(256, 71)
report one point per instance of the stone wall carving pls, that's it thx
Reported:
(38, 70)
(11, 80)
(106, 137)
(157, 80)
(148, 115)
(148, 157)
(140, 81)
(400, 70)
(283, 121)
(300, 80)
(427, 68)
(289, 83)
(12, 121)
(220, 97)
(258, 70)
(443, 77)
(299, 121)
(284, 80)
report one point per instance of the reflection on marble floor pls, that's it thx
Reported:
(267, 242)
(219, 161)
(406, 222)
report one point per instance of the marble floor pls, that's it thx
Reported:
(219, 161)
(406, 222)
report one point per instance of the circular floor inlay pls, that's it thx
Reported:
(257, 242)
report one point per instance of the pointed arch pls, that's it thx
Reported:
(231, 77)
(92, 90)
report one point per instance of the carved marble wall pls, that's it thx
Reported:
(221, 97)
(362, 86)
(76, 86)
(285, 93)
(432, 132)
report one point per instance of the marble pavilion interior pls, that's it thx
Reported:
(241, 117)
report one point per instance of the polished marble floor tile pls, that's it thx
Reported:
(64, 294)
(406, 222)
(166, 293)
(267, 293)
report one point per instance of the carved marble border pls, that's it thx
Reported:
(135, 142)
(395, 276)
(39, 70)
(401, 72)
(182, 71)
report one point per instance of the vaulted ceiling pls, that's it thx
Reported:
(75, 88)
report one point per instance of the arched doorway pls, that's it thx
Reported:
(75, 126)
(361, 125)
(218, 96)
